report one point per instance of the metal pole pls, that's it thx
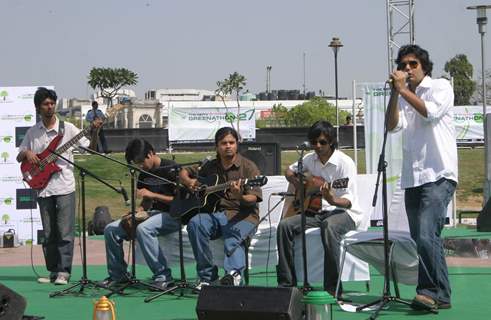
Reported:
(304, 88)
(486, 142)
(355, 140)
(336, 88)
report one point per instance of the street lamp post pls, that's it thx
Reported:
(481, 23)
(336, 45)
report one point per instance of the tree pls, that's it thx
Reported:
(305, 114)
(5, 218)
(477, 97)
(231, 85)
(461, 70)
(109, 80)
(4, 94)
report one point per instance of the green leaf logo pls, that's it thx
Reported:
(28, 117)
(7, 139)
(230, 117)
(478, 118)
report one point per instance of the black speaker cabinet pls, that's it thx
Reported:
(12, 305)
(484, 218)
(266, 155)
(246, 303)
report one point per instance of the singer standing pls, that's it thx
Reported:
(57, 200)
(422, 108)
(157, 196)
(339, 214)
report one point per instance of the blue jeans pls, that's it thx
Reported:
(204, 227)
(146, 234)
(426, 208)
(58, 218)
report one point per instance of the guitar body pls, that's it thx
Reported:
(312, 196)
(187, 204)
(38, 176)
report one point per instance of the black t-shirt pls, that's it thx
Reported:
(158, 186)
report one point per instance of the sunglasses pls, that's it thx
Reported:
(412, 63)
(322, 142)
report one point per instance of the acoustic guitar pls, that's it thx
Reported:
(188, 203)
(313, 197)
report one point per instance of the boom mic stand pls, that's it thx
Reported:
(84, 282)
(182, 283)
(306, 286)
(133, 281)
(386, 297)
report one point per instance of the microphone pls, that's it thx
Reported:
(283, 194)
(125, 196)
(391, 81)
(204, 161)
(304, 145)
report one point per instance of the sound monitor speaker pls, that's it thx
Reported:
(484, 218)
(246, 303)
(12, 305)
(266, 155)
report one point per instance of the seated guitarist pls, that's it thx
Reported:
(339, 211)
(156, 196)
(236, 216)
(57, 199)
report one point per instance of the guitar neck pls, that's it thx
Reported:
(219, 187)
(68, 144)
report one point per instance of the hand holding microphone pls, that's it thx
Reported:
(398, 80)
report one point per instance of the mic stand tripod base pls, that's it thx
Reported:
(82, 283)
(132, 282)
(180, 285)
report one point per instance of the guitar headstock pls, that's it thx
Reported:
(257, 181)
(340, 183)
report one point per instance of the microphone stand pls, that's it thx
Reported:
(249, 236)
(133, 281)
(182, 283)
(306, 286)
(84, 282)
(386, 297)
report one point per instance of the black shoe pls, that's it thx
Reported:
(110, 283)
(161, 285)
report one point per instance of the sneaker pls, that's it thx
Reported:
(111, 283)
(422, 302)
(62, 279)
(231, 279)
(200, 285)
(161, 285)
(44, 280)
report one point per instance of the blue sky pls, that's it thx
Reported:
(192, 43)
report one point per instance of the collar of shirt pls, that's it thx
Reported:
(55, 127)
(425, 83)
(235, 163)
(333, 159)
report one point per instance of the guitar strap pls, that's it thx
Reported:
(61, 128)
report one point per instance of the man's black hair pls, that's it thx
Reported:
(95, 104)
(222, 132)
(420, 53)
(43, 94)
(326, 128)
(137, 150)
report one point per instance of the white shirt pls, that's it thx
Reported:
(337, 167)
(429, 144)
(37, 139)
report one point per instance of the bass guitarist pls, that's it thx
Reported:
(56, 200)
(338, 214)
(236, 215)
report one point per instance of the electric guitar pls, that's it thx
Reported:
(188, 203)
(38, 175)
(313, 197)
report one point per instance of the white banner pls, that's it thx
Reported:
(469, 122)
(17, 201)
(201, 124)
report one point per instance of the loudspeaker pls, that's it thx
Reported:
(12, 305)
(266, 155)
(246, 303)
(484, 218)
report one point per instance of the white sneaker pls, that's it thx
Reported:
(231, 279)
(61, 279)
(200, 285)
